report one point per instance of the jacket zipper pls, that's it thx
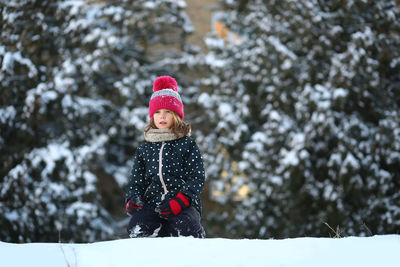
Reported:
(160, 157)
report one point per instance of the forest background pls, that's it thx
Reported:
(294, 104)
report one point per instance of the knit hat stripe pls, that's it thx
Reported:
(166, 92)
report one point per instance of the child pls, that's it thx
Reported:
(163, 193)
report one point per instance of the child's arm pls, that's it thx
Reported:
(194, 172)
(136, 182)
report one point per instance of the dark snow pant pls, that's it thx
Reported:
(147, 223)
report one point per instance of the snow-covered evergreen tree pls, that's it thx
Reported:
(306, 105)
(75, 79)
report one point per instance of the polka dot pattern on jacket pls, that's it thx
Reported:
(182, 171)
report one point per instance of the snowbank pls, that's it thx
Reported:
(307, 252)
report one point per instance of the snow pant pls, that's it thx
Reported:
(147, 223)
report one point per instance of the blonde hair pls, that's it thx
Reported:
(178, 125)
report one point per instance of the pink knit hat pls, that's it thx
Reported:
(165, 96)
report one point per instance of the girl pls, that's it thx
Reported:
(163, 193)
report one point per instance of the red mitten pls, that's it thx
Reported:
(173, 207)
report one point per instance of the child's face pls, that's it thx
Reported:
(163, 118)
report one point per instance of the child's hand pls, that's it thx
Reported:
(174, 206)
(133, 206)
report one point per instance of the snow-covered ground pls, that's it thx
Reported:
(308, 252)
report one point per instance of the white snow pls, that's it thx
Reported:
(185, 251)
(213, 60)
(11, 57)
(281, 48)
(7, 114)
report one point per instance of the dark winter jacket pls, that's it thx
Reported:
(181, 167)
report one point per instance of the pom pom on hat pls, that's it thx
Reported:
(165, 82)
(165, 96)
